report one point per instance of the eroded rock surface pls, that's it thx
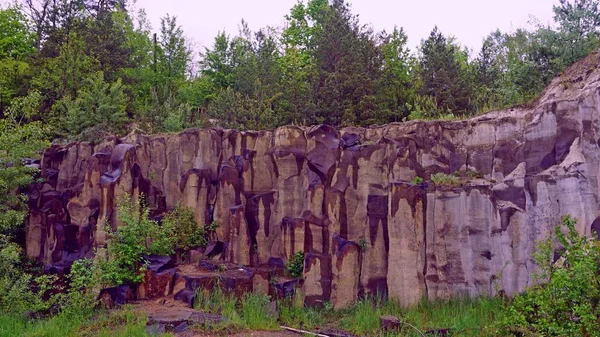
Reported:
(344, 197)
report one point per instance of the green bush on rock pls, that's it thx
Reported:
(566, 300)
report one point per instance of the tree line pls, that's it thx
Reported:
(89, 68)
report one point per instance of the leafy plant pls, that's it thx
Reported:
(99, 107)
(126, 246)
(183, 225)
(222, 268)
(417, 181)
(295, 266)
(442, 179)
(362, 242)
(566, 300)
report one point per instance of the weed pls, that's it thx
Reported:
(362, 242)
(442, 179)
(255, 312)
(417, 181)
(474, 174)
(295, 266)
(294, 314)
(222, 268)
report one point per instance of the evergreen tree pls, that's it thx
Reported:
(442, 75)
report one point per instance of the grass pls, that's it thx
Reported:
(119, 323)
(293, 313)
(250, 312)
(464, 317)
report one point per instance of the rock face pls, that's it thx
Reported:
(345, 197)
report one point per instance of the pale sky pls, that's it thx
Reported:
(468, 20)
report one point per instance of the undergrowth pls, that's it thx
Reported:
(119, 323)
(252, 311)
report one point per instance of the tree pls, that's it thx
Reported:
(578, 28)
(442, 74)
(174, 54)
(395, 86)
(18, 140)
(99, 108)
(348, 62)
(16, 44)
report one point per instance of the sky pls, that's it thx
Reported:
(468, 20)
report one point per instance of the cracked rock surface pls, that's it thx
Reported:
(345, 197)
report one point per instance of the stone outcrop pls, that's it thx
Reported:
(345, 197)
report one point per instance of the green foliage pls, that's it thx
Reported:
(119, 323)
(18, 141)
(443, 179)
(444, 72)
(417, 181)
(139, 236)
(295, 265)
(362, 243)
(98, 109)
(250, 312)
(293, 313)
(127, 245)
(425, 108)
(364, 317)
(255, 312)
(566, 300)
(187, 233)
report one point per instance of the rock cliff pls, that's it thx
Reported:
(345, 197)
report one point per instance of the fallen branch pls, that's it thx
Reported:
(302, 331)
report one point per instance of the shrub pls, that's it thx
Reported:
(295, 266)
(127, 245)
(99, 108)
(566, 300)
(185, 229)
(442, 179)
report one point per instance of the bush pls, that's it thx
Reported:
(99, 108)
(187, 232)
(127, 245)
(442, 179)
(296, 265)
(566, 300)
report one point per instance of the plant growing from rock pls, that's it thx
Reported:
(443, 179)
(362, 242)
(417, 181)
(295, 266)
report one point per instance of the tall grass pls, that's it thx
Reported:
(250, 312)
(463, 317)
(120, 323)
(293, 313)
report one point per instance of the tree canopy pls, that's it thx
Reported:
(100, 68)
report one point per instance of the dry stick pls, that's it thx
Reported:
(302, 331)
